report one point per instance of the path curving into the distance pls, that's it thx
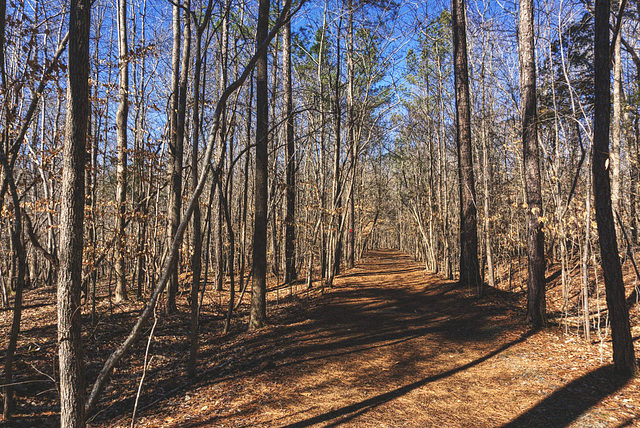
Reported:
(393, 346)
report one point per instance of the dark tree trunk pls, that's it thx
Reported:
(19, 256)
(71, 219)
(623, 353)
(536, 306)
(469, 267)
(258, 311)
(290, 273)
(16, 242)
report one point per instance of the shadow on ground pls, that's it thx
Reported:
(568, 403)
(386, 305)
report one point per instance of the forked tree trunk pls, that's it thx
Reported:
(469, 267)
(623, 353)
(536, 303)
(72, 389)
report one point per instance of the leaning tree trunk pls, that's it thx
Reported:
(71, 219)
(623, 353)
(258, 310)
(469, 267)
(121, 124)
(536, 306)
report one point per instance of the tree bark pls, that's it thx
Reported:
(469, 267)
(290, 273)
(71, 219)
(623, 353)
(196, 227)
(336, 239)
(536, 294)
(616, 126)
(121, 173)
(19, 255)
(353, 145)
(175, 157)
(258, 309)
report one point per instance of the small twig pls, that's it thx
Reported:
(20, 383)
(146, 363)
(48, 376)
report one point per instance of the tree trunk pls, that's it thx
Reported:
(19, 255)
(196, 227)
(290, 273)
(351, 135)
(219, 210)
(17, 244)
(623, 353)
(175, 157)
(72, 218)
(258, 310)
(634, 175)
(585, 268)
(469, 267)
(335, 242)
(121, 124)
(486, 180)
(536, 303)
(616, 126)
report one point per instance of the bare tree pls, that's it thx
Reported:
(258, 313)
(121, 124)
(290, 273)
(623, 353)
(536, 306)
(469, 267)
(175, 155)
(71, 219)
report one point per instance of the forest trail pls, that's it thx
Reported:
(392, 346)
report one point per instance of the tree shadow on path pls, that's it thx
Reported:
(349, 412)
(568, 403)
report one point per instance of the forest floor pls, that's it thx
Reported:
(389, 346)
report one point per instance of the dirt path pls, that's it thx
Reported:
(392, 346)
